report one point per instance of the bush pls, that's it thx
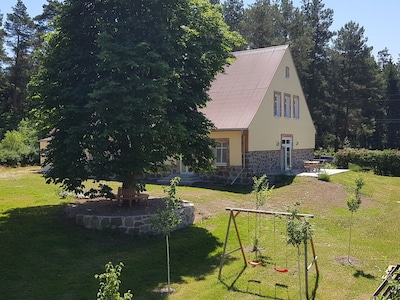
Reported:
(381, 162)
(109, 284)
(324, 177)
(19, 147)
(355, 168)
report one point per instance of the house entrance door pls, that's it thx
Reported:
(184, 170)
(287, 153)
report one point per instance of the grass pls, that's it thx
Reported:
(46, 256)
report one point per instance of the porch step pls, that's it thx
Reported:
(186, 179)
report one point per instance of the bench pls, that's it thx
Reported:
(130, 195)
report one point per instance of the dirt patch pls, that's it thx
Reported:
(310, 191)
(348, 261)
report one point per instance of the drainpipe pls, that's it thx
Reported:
(243, 161)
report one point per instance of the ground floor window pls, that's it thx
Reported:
(221, 153)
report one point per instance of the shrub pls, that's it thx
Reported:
(355, 168)
(19, 147)
(324, 177)
(109, 283)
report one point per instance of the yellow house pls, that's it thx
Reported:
(263, 124)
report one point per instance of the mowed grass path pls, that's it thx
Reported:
(46, 256)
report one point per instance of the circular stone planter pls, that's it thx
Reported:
(136, 223)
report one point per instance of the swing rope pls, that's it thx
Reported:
(251, 262)
(275, 267)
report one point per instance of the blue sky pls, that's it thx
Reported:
(379, 18)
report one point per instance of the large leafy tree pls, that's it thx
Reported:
(121, 91)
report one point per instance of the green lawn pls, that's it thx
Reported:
(46, 256)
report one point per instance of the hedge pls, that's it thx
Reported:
(381, 162)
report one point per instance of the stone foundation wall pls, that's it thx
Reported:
(134, 225)
(257, 163)
(225, 175)
(261, 162)
(300, 155)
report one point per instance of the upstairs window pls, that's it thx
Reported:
(287, 106)
(277, 104)
(221, 152)
(287, 72)
(296, 107)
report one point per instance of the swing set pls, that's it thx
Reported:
(234, 212)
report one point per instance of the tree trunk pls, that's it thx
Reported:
(351, 225)
(129, 180)
(298, 267)
(168, 267)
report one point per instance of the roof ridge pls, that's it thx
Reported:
(266, 49)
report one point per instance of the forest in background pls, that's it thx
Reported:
(353, 97)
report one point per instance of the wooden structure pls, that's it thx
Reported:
(312, 166)
(234, 212)
(130, 195)
(385, 288)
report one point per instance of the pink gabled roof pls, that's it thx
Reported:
(237, 94)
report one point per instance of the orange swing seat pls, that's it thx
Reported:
(254, 263)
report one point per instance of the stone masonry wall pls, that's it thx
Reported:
(134, 225)
(300, 155)
(257, 163)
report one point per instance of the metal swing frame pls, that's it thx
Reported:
(234, 212)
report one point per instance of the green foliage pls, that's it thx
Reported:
(261, 190)
(355, 168)
(26, 199)
(167, 219)
(109, 283)
(324, 177)
(262, 193)
(299, 230)
(129, 97)
(19, 147)
(353, 204)
(382, 162)
(354, 200)
(19, 30)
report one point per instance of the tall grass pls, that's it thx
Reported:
(46, 256)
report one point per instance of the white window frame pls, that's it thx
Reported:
(287, 106)
(296, 107)
(277, 104)
(287, 72)
(221, 152)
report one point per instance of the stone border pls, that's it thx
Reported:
(138, 225)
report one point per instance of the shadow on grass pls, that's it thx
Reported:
(315, 288)
(281, 180)
(361, 273)
(44, 255)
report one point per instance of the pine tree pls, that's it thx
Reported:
(232, 12)
(358, 87)
(19, 29)
(392, 81)
(318, 20)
